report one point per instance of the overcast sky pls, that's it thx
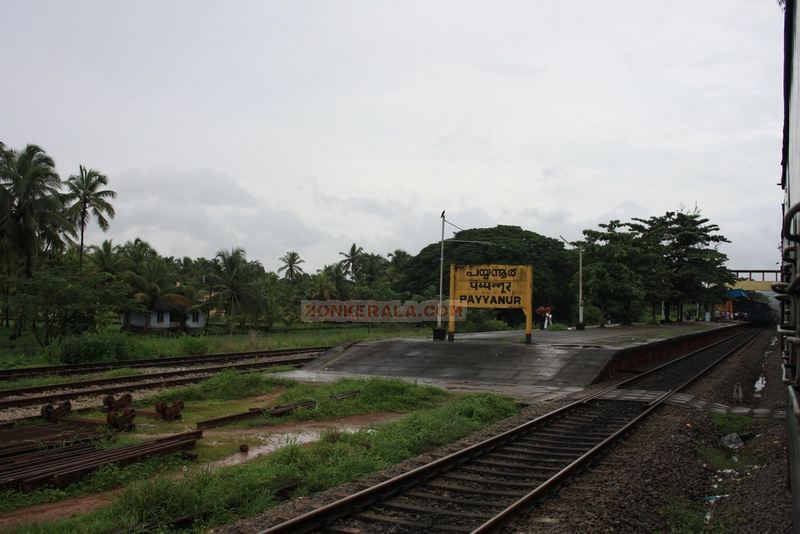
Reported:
(307, 126)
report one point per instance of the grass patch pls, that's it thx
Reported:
(720, 459)
(248, 489)
(681, 518)
(731, 424)
(228, 384)
(375, 395)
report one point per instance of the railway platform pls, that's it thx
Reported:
(556, 365)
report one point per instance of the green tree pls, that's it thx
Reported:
(86, 199)
(351, 261)
(612, 271)
(690, 257)
(32, 221)
(33, 218)
(291, 269)
(322, 287)
(108, 258)
(59, 302)
(336, 274)
(234, 279)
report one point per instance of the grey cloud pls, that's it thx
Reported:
(182, 218)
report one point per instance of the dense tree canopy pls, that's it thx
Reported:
(667, 260)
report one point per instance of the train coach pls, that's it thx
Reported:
(788, 289)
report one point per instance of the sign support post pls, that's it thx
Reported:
(451, 321)
(529, 309)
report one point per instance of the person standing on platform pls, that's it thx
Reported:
(540, 317)
(548, 316)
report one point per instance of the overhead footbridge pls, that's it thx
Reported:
(755, 279)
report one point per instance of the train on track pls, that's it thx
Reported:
(788, 289)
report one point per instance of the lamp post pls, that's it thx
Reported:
(438, 332)
(580, 325)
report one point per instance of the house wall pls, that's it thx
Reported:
(139, 320)
(200, 323)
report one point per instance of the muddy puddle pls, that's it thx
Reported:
(273, 438)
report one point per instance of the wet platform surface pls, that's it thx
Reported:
(555, 365)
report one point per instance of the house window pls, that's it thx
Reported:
(160, 316)
(195, 316)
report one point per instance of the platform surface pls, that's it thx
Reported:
(556, 364)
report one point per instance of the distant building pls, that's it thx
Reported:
(161, 320)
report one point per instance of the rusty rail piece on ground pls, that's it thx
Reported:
(164, 411)
(167, 412)
(61, 466)
(346, 394)
(484, 486)
(83, 368)
(54, 412)
(122, 421)
(277, 411)
(28, 439)
(135, 382)
(112, 404)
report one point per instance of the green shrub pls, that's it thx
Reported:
(592, 315)
(228, 384)
(96, 347)
(481, 321)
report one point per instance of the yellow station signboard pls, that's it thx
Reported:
(492, 286)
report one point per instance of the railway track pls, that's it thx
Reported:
(57, 392)
(177, 361)
(484, 486)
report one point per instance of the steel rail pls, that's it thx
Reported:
(81, 368)
(199, 375)
(324, 515)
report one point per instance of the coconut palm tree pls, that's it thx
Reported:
(338, 276)
(138, 252)
(32, 218)
(234, 279)
(88, 199)
(350, 261)
(291, 266)
(322, 287)
(108, 257)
